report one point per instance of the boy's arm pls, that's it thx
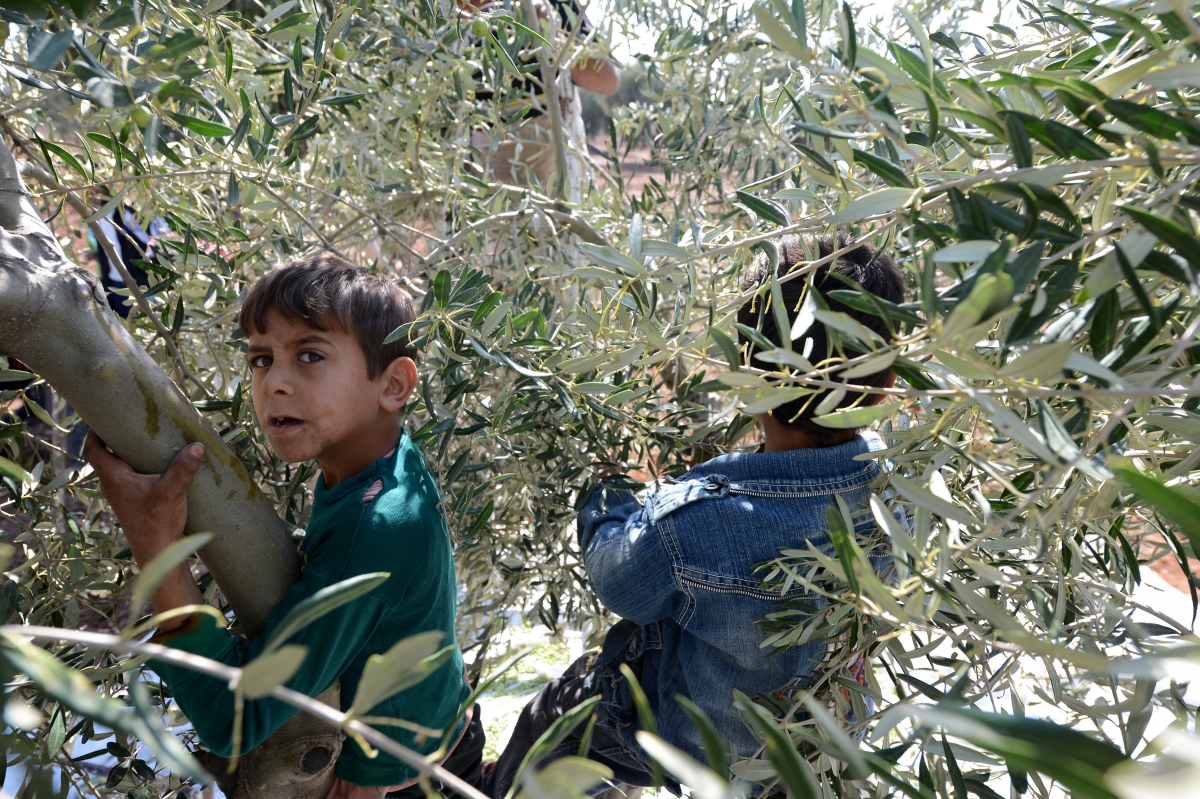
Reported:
(152, 510)
(625, 556)
(332, 642)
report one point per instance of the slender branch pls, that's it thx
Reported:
(579, 226)
(572, 35)
(329, 245)
(229, 674)
(1130, 602)
(1186, 17)
(131, 179)
(472, 227)
(1186, 341)
(1079, 169)
(40, 100)
(559, 210)
(549, 70)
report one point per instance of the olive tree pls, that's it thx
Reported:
(1033, 179)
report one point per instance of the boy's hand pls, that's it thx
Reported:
(152, 508)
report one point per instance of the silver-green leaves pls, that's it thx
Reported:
(320, 603)
(404, 665)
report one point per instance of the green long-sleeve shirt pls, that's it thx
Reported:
(400, 530)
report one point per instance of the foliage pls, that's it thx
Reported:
(1037, 191)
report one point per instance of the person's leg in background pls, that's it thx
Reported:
(581, 681)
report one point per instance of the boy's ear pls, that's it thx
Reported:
(891, 381)
(400, 378)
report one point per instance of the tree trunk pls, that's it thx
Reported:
(55, 318)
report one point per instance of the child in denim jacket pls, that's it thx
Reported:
(681, 570)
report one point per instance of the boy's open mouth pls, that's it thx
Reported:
(281, 423)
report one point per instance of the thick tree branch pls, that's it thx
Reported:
(34, 171)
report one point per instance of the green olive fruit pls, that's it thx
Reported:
(479, 27)
(141, 117)
(340, 51)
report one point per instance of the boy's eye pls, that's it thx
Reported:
(261, 361)
(308, 356)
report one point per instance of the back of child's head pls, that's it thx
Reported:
(324, 291)
(873, 271)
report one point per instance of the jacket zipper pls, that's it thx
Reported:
(752, 493)
(755, 592)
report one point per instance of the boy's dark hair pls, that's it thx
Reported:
(325, 291)
(873, 270)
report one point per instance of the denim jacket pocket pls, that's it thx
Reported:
(619, 716)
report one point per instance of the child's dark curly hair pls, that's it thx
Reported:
(874, 271)
(326, 291)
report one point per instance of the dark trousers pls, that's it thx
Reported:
(464, 761)
(580, 682)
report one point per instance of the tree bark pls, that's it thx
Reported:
(55, 318)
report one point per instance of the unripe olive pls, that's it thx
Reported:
(479, 27)
(340, 51)
(141, 117)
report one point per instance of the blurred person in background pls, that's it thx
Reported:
(524, 155)
(133, 244)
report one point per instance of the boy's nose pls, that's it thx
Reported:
(277, 382)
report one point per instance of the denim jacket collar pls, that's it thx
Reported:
(799, 466)
(794, 473)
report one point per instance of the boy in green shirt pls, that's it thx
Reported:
(325, 388)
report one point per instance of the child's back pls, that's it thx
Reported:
(685, 567)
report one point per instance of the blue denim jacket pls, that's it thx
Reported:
(683, 567)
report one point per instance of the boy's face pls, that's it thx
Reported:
(314, 399)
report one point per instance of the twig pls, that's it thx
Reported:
(1079, 169)
(132, 178)
(1188, 339)
(31, 104)
(579, 226)
(329, 245)
(1128, 601)
(1186, 18)
(471, 227)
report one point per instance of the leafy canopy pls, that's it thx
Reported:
(1034, 179)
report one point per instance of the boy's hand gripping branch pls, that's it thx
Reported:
(152, 509)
